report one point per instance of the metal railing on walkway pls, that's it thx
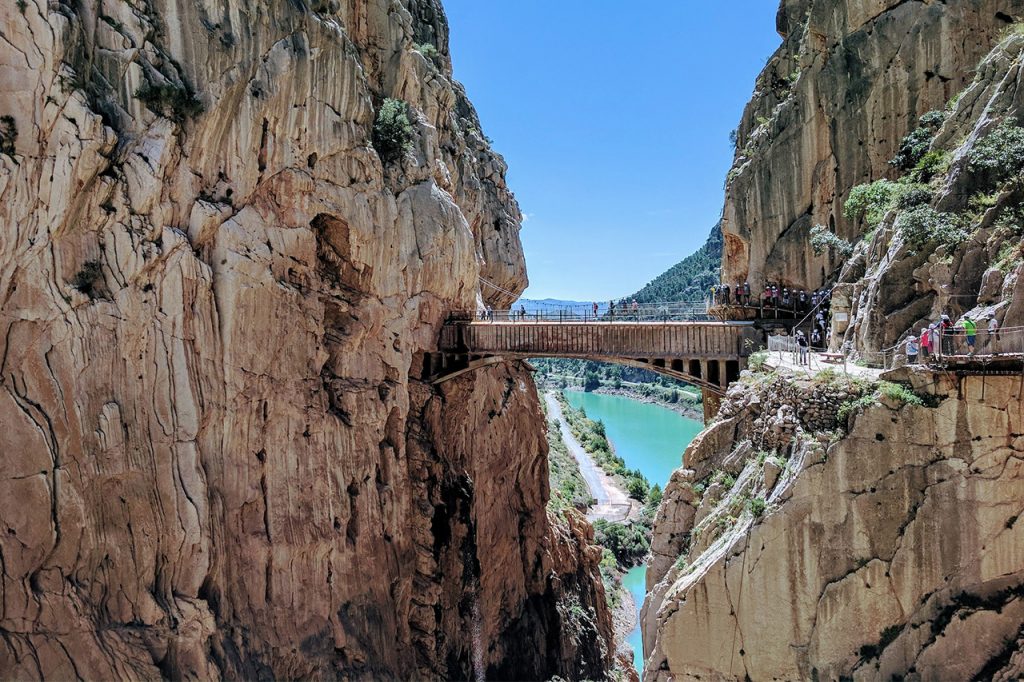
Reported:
(953, 349)
(659, 312)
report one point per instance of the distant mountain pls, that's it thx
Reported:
(555, 304)
(689, 279)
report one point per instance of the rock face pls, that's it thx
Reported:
(218, 458)
(829, 111)
(895, 551)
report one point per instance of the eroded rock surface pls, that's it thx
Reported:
(893, 551)
(214, 299)
(829, 111)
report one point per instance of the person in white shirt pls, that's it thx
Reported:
(912, 349)
(993, 334)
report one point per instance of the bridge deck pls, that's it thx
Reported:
(634, 340)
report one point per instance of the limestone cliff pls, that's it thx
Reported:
(829, 111)
(893, 551)
(832, 529)
(214, 300)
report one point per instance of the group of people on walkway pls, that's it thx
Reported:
(773, 296)
(945, 338)
(721, 294)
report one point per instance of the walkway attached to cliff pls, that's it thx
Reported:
(612, 502)
(706, 354)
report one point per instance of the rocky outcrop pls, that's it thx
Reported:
(829, 111)
(219, 460)
(891, 551)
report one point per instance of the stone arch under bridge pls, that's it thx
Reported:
(709, 355)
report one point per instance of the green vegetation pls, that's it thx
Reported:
(592, 438)
(999, 156)
(629, 542)
(756, 360)
(87, 278)
(932, 164)
(590, 375)
(823, 240)
(8, 135)
(871, 201)
(914, 146)
(568, 488)
(914, 195)
(689, 279)
(900, 393)
(757, 506)
(392, 131)
(428, 50)
(854, 406)
(170, 100)
(923, 225)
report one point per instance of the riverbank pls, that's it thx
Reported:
(683, 407)
(611, 501)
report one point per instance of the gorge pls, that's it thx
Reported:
(232, 233)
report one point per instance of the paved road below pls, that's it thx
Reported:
(613, 504)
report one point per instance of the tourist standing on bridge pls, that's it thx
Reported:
(802, 300)
(636, 309)
(595, 309)
(785, 297)
(926, 343)
(746, 293)
(971, 330)
(993, 334)
(522, 312)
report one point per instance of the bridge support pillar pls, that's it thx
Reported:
(712, 401)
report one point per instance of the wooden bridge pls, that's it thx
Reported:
(707, 354)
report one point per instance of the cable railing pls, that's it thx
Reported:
(685, 311)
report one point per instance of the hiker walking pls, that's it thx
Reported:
(636, 307)
(594, 307)
(815, 339)
(926, 343)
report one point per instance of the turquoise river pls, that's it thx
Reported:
(650, 438)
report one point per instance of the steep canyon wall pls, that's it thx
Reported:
(214, 300)
(829, 111)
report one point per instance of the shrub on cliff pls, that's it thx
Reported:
(871, 201)
(999, 156)
(915, 145)
(923, 225)
(823, 240)
(392, 131)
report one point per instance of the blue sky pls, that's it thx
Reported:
(614, 119)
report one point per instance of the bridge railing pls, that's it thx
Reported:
(647, 313)
(952, 349)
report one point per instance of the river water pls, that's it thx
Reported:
(650, 438)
